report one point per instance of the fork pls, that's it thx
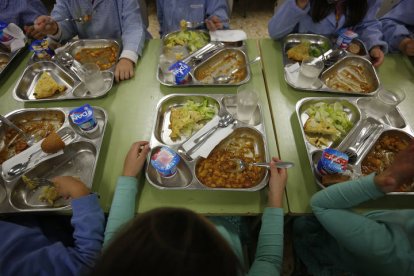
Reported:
(352, 151)
(81, 19)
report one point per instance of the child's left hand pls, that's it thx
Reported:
(124, 70)
(70, 187)
(377, 56)
(214, 23)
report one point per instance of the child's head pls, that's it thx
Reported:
(169, 241)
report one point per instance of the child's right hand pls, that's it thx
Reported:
(407, 46)
(277, 184)
(70, 187)
(135, 158)
(46, 24)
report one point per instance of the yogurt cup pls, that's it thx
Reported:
(84, 118)
(165, 161)
(332, 161)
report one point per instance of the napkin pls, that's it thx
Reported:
(19, 40)
(228, 35)
(292, 76)
(208, 145)
(38, 155)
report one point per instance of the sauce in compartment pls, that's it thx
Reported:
(218, 170)
(104, 57)
(351, 78)
(381, 156)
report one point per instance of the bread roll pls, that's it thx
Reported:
(52, 143)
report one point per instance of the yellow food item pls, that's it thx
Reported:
(30, 183)
(49, 195)
(299, 52)
(52, 143)
(46, 87)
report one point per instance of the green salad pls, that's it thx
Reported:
(193, 40)
(190, 117)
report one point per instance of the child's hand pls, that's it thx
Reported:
(302, 3)
(214, 23)
(377, 55)
(277, 184)
(32, 33)
(135, 158)
(407, 46)
(70, 187)
(45, 24)
(124, 70)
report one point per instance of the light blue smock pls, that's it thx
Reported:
(171, 12)
(398, 23)
(289, 18)
(119, 19)
(21, 12)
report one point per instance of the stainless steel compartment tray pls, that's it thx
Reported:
(394, 121)
(79, 159)
(294, 39)
(186, 178)
(241, 47)
(9, 57)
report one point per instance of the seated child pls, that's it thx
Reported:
(327, 17)
(398, 27)
(108, 19)
(212, 12)
(26, 250)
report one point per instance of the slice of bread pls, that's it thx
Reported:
(314, 127)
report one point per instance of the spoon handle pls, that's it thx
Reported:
(280, 165)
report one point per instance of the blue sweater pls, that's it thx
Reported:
(27, 251)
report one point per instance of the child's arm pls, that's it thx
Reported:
(123, 203)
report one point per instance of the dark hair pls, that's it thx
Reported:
(355, 10)
(169, 241)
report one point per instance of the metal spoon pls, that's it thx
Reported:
(81, 19)
(241, 165)
(224, 121)
(19, 168)
(222, 79)
(30, 139)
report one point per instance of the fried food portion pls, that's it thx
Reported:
(30, 183)
(52, 143)
(299, 52)
(46, 87)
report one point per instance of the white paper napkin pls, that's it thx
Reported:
(38, 156)
(228, 35)
(205, 149)
(19, 40)
(292, 75)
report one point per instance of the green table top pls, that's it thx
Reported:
(131, 108)
(397, 70)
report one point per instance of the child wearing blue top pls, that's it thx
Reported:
(176, 241)
(171, 12)
(26, 250)
(23, 13)
(109, 19)
(380, 242)
(398, 27)
(327, 17)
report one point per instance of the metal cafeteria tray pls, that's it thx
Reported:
(353, 59)
(79, 159)
(393, 122)
(186, 178)
(6, 59)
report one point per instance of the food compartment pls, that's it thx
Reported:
(297, 47)
(230, 103)
(219, 170)
(3, 192)
(357, 47)
(185, 114)
(25, 88)
(326, 122)
(37, 122)
(78, 160)
(4, 60)
(182, 178)
(392, 118)
(103, 52)
(352, 74)
(191, 39)
(80, 91)
(221, 63)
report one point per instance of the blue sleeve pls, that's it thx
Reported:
(370, 30)
(358, 234)
(133, 31)
(123, 206)
(34, 9)
(395, 22)
(218, 8)
(160, 14)
(286, 18)
(269, 253)
(40, 257)
(60, 11)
